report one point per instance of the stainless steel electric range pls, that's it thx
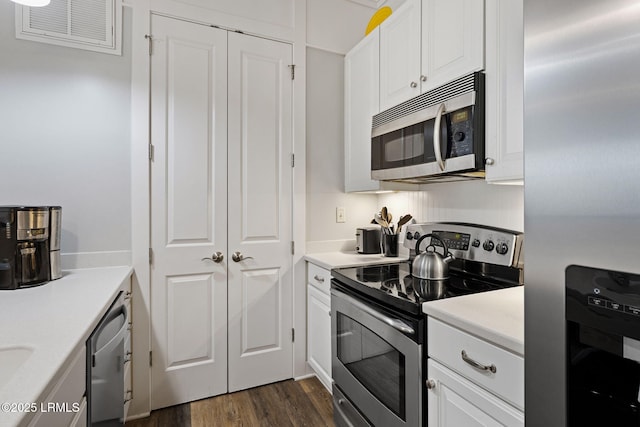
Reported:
(378, 330)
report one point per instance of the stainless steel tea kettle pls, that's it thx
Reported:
(430, 264)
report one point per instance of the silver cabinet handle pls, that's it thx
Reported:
(237, 257)
(436, 137)
(431, 384)
(414, 85)
(319, 278)
(489, 161)
(423, 78)
(491, 368)
(216, 257)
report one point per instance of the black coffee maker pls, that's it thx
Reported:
(24, 246)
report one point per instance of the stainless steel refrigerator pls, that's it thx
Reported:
(582, 171)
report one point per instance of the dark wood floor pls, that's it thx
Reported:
(287, 403)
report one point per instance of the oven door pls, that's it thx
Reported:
(376, 363)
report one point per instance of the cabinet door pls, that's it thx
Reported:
(400, 55)
(319, 334)
(362, 101)
(504, 90)
(452, 40)
(455, 401)
(68, 393)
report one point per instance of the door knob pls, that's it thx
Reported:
(237, 257)
(216, 257)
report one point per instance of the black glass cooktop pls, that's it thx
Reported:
(393, 284)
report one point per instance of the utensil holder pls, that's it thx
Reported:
(390, 245)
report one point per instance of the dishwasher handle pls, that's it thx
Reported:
(117, 338)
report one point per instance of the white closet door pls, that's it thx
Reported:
(260, 182)
(188, 212)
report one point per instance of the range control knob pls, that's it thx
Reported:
(416, 235)
(488, 245)
(409, 236)
(476, 243)
(502, 248)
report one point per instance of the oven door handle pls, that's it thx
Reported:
(436, 137)
(394, 323)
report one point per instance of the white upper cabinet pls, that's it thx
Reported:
(362, 102)
(426, 43)
(361, 66)
(400, 55)
(504, 88)
(452, 40)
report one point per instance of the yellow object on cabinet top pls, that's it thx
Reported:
(377, 18)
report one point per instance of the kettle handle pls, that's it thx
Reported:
(433, 236)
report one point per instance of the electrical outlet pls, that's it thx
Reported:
(341, 216)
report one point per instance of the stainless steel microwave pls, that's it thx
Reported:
(437, 136)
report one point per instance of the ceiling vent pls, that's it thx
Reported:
(83, 24)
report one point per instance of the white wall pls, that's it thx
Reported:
(338, 25)
(468, 201)
(65, 137)
(325, 158)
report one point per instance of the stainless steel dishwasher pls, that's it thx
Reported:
(106, 358)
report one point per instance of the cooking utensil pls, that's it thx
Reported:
(403, 220)
(382, 222)
(430, 264)
(384, 213)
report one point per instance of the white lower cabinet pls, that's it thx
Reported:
(319, 322)
(455, 401)
(472, 382)
(80, 420)
(61, 406)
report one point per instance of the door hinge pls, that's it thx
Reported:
(149, 37)
(293, 335)
(293, 160)
(150, 358)
(151, 151)
(293, 71)
(293, 247)
(150, 256)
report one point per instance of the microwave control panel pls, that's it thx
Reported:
(460, 123)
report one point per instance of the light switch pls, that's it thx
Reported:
(341, 216)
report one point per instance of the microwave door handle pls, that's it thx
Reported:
(436, 137)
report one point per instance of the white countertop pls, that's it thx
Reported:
(496, 316)
(53, 320)
(331, 260)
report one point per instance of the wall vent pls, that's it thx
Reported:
(83, 24)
